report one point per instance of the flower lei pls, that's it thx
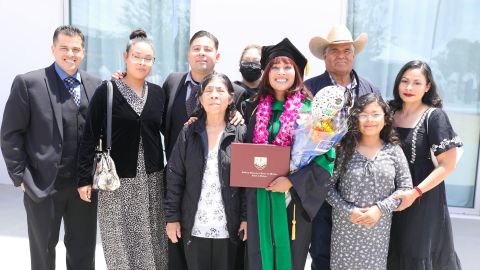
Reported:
(287, 119)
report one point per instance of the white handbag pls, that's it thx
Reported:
(105, 175)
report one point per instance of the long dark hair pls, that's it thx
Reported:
(349, 142)
(430, 98)
(200, 111)
(265, 88)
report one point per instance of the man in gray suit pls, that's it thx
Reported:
(42, 126)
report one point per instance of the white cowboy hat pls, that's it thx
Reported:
(339, 34)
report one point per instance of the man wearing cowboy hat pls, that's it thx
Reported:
(338, 50)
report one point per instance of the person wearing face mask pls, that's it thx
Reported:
(250, 69)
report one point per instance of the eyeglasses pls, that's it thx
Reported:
(375, 117)
(143, 60)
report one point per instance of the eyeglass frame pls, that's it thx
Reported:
(142, 60)
(374, 117)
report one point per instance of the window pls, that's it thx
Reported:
(108, 24)
(444, 34)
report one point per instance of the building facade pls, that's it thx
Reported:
(443, 33)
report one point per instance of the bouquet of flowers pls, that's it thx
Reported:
(319, 130)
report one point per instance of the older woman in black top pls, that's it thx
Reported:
(200, 206)
(131, 217)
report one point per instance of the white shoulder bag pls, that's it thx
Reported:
(105, 175)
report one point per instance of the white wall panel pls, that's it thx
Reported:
(26, 30)
(237, 23)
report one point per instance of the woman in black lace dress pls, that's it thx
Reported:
(421, 235)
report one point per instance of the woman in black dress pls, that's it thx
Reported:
(421, 235)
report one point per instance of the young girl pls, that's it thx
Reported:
(371, 168)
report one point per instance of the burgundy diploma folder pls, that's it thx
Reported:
(256, 165)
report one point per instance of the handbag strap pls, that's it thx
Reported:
(109, 115)
(430, 110)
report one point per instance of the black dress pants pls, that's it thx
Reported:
(176, 256)
(321, 238)
(80, 225)
(210, 254)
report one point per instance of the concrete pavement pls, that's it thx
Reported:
(14, 250)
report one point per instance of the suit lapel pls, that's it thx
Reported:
(89, 85)
(177, 85)
(53, 91)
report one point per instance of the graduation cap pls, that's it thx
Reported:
(284, 48)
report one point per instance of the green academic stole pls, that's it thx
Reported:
(272, 210)
(272, 214)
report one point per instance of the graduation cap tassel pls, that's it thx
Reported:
(294, 222)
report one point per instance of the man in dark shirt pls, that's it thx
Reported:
(180, 87)
(338, 50)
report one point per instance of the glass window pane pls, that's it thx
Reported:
(446, 35)
(107, 25)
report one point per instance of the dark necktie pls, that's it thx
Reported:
(192, 100)
(71, 84)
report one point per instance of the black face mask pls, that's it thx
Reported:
(251, 71)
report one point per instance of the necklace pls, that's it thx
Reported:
(287, 119)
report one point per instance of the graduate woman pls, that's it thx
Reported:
(279, 216)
